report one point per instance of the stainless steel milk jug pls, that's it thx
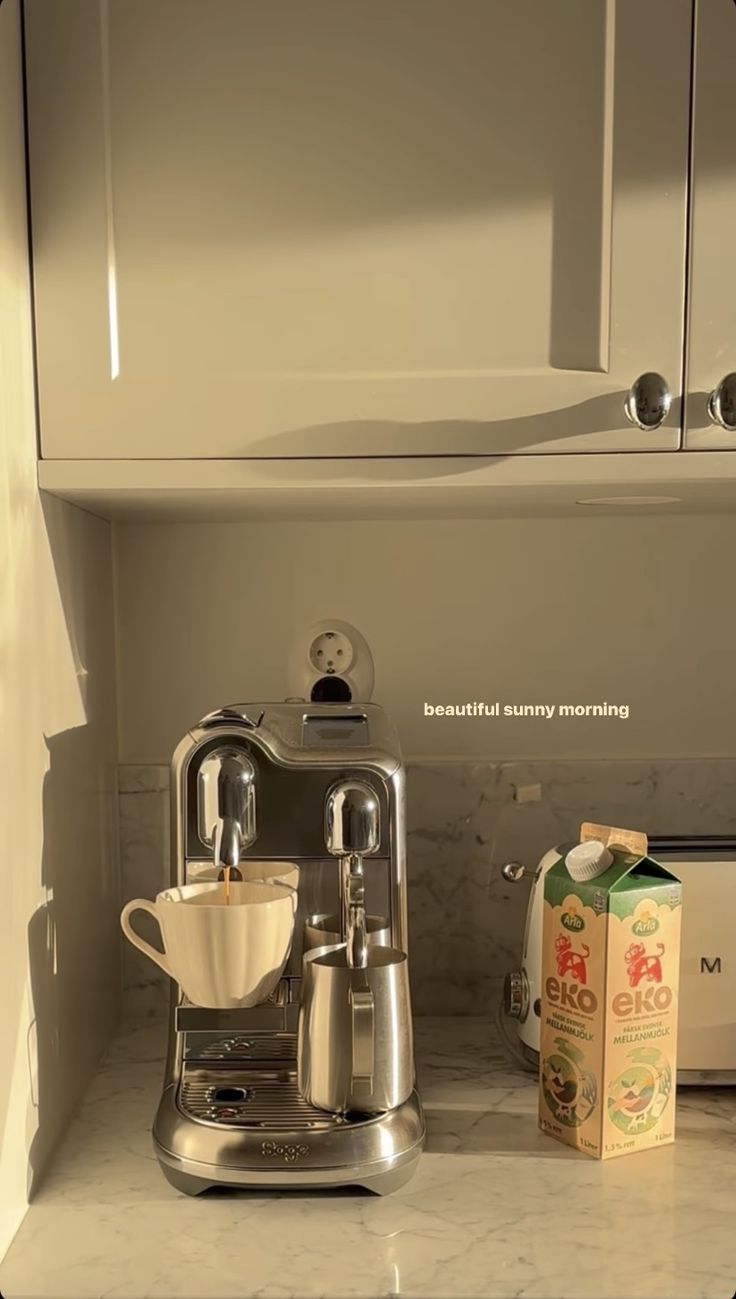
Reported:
(355, 1047)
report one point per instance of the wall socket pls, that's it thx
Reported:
(331, 662)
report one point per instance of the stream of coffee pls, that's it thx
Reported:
(216, 849)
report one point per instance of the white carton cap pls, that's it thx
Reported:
(588, 860)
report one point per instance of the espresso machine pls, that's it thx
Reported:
(320, 786)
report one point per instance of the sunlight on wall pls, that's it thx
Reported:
(57, 759)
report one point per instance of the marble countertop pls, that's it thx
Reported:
(495, 1209)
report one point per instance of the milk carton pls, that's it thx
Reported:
(610, 965)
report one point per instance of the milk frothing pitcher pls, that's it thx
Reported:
(323, 930)
(355, 1047)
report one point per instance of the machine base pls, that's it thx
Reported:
(291, 1149)
(375, 1184)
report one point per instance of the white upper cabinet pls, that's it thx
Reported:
(712, 323)
(358, 227)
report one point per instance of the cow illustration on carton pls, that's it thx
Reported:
(641, 964)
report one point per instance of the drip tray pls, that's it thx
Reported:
(269, 1015)
(236, 1050)
(253, 1097)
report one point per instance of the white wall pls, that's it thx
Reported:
(626, 610)
(59, 960)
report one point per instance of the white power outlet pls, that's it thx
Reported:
(331, 651)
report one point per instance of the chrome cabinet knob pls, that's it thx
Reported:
(513, 871)
(648, 401)
(722, 404)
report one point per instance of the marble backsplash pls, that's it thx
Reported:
(465, 819)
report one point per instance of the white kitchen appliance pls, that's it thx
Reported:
(706, 864)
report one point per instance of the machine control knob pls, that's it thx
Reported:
(513, 994)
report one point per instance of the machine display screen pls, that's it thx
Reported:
(344, 732)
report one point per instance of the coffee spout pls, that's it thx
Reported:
(227, 804)
(227, 842)
(352, 831)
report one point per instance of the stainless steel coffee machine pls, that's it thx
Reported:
(247, 1091)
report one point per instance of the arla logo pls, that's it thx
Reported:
(645, 925)
(571, 919)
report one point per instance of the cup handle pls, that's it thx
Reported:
(142, 904)
(363, 1019)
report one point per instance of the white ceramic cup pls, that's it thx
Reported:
(222, 955)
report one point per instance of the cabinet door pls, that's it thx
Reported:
(712, 314)
(355, 227)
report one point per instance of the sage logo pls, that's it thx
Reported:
(288, 1153)
(571, 919)
(645, 925)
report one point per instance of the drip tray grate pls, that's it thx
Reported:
(253, 1098)
(238, 1048)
